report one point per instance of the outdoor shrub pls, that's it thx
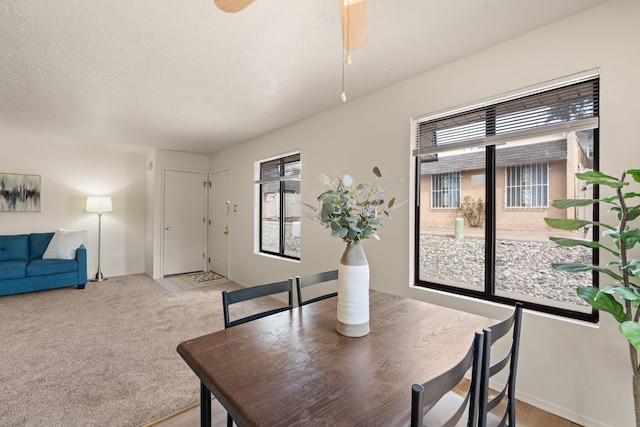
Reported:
(472, 211)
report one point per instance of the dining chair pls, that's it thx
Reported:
(492, 412)
(245, 294)
(233, 297)
(435, 404)
(314, 279)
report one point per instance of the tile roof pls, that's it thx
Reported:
(510, 156)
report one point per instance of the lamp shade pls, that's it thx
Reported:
(99, 204)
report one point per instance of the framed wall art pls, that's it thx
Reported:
(19, 193)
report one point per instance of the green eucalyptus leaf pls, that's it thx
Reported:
(354, 227)
(376, 172)
(631, 331)
(347, 181)
(339, 233)
(324, 179)
(603, 302)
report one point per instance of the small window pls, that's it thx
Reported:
(527, 186)
(445, 190)
(279, 206)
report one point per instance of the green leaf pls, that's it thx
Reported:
(624, 292)
(633, 267)
(347, 180)
(569, 203)
(354, 227)
(391, 203)
(603, 302)
(631, 331)
(339, 233)
(635, 174)
(376, 172)
(580, 268)
(563, 241)
(633, 213)
(596, 176)
(324, 179)
(573, 224)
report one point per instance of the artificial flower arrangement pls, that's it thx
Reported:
(353, 212)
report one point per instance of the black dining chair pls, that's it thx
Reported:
(233, 297)
(240, 295)
(436, 404)
(491, 412)
(315, 279)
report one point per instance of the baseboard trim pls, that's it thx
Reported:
(559, 411)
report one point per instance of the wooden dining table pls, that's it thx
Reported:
(294, 369)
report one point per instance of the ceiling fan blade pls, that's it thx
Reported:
(232, 6)
(354, 23)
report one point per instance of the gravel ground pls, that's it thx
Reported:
(522, 267)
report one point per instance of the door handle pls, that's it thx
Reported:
(167, 228)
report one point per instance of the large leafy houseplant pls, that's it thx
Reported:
(621, 298)
(353, 211)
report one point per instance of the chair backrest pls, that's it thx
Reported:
(233, 297)
(314, 279)
(424, 397)
(507, 415)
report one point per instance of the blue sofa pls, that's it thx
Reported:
(22, 268)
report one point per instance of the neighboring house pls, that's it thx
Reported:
(530, 175)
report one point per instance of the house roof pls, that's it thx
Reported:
(509, 156)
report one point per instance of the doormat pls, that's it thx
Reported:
(205, 276)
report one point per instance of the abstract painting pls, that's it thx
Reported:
(19, 193)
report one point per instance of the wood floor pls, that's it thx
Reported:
(527, 416)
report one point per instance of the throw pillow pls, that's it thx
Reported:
(64, 243)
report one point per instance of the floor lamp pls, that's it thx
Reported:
(99, 205)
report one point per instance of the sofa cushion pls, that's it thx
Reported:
(63, 244)
(14, 248)
(44, 267)
(38, 243)
(12, 269)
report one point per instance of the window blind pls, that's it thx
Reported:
(572, 107)
(282, 169)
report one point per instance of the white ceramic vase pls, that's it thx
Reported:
(353, 292)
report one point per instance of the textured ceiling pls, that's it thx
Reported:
(183, 75)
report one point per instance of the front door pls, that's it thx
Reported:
(219, 229)
(184, 222)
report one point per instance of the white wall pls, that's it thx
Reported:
(68, 176)
(577, 370)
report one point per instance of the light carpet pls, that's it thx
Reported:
(102, 356)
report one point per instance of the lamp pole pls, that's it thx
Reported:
(99, 276)
(99, 204)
